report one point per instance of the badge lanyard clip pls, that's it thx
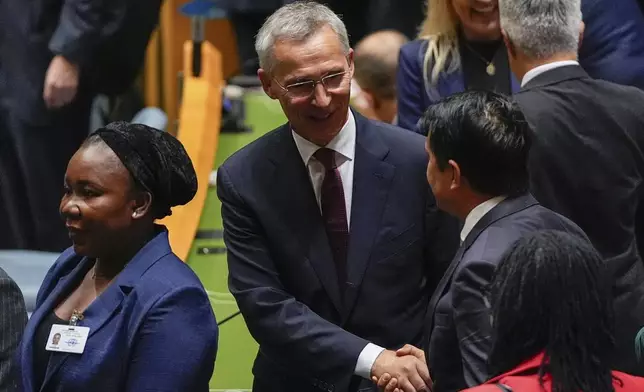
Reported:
(76, 317)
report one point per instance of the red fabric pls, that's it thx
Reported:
(530, 383)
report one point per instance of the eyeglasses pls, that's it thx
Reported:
(305, 89)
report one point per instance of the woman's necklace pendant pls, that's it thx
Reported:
(490, 69)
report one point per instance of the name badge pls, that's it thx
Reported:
(67, 338)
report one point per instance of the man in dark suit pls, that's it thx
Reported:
(587, 159)
(478, 145)
(13, 318)
(333, 237)
(47, 48)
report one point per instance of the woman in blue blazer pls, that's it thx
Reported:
(461, 38)
(143, 316)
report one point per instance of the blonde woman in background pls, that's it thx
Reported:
(459, 48)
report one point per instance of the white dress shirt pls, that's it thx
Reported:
(531, 74)
(344, 145)
(477, 213)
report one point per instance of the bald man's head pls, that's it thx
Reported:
(376, 60)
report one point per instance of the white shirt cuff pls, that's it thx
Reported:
(366, 360)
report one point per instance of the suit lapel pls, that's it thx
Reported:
(290, 188)
(94, 317)
(442, 286)
(505, 208)
(61, 289)
(449, 83)
(372, 178)
(108, 303)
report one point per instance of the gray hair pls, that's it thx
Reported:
(296, 22)
(542, 28)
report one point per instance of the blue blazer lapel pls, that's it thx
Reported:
(72, 268)
(449, 83)
(372, 177)
(289, 186)
(108, 303)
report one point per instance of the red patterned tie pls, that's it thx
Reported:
(334, 212)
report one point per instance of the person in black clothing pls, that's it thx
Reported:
(587, 160)
(46, 50)
(55, 57)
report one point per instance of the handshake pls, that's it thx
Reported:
(404, 370)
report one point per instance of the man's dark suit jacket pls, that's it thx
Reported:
(460, 327)
(310, 328)
(587, 163)
(13, 318)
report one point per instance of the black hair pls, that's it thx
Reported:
(552, 293)
(488, 137)
(158, 163)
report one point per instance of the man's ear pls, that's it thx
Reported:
(351, 63)
(508, 43)
(582, 28)
(456, 176)
(267, 83)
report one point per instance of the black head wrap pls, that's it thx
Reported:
(157, 161)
